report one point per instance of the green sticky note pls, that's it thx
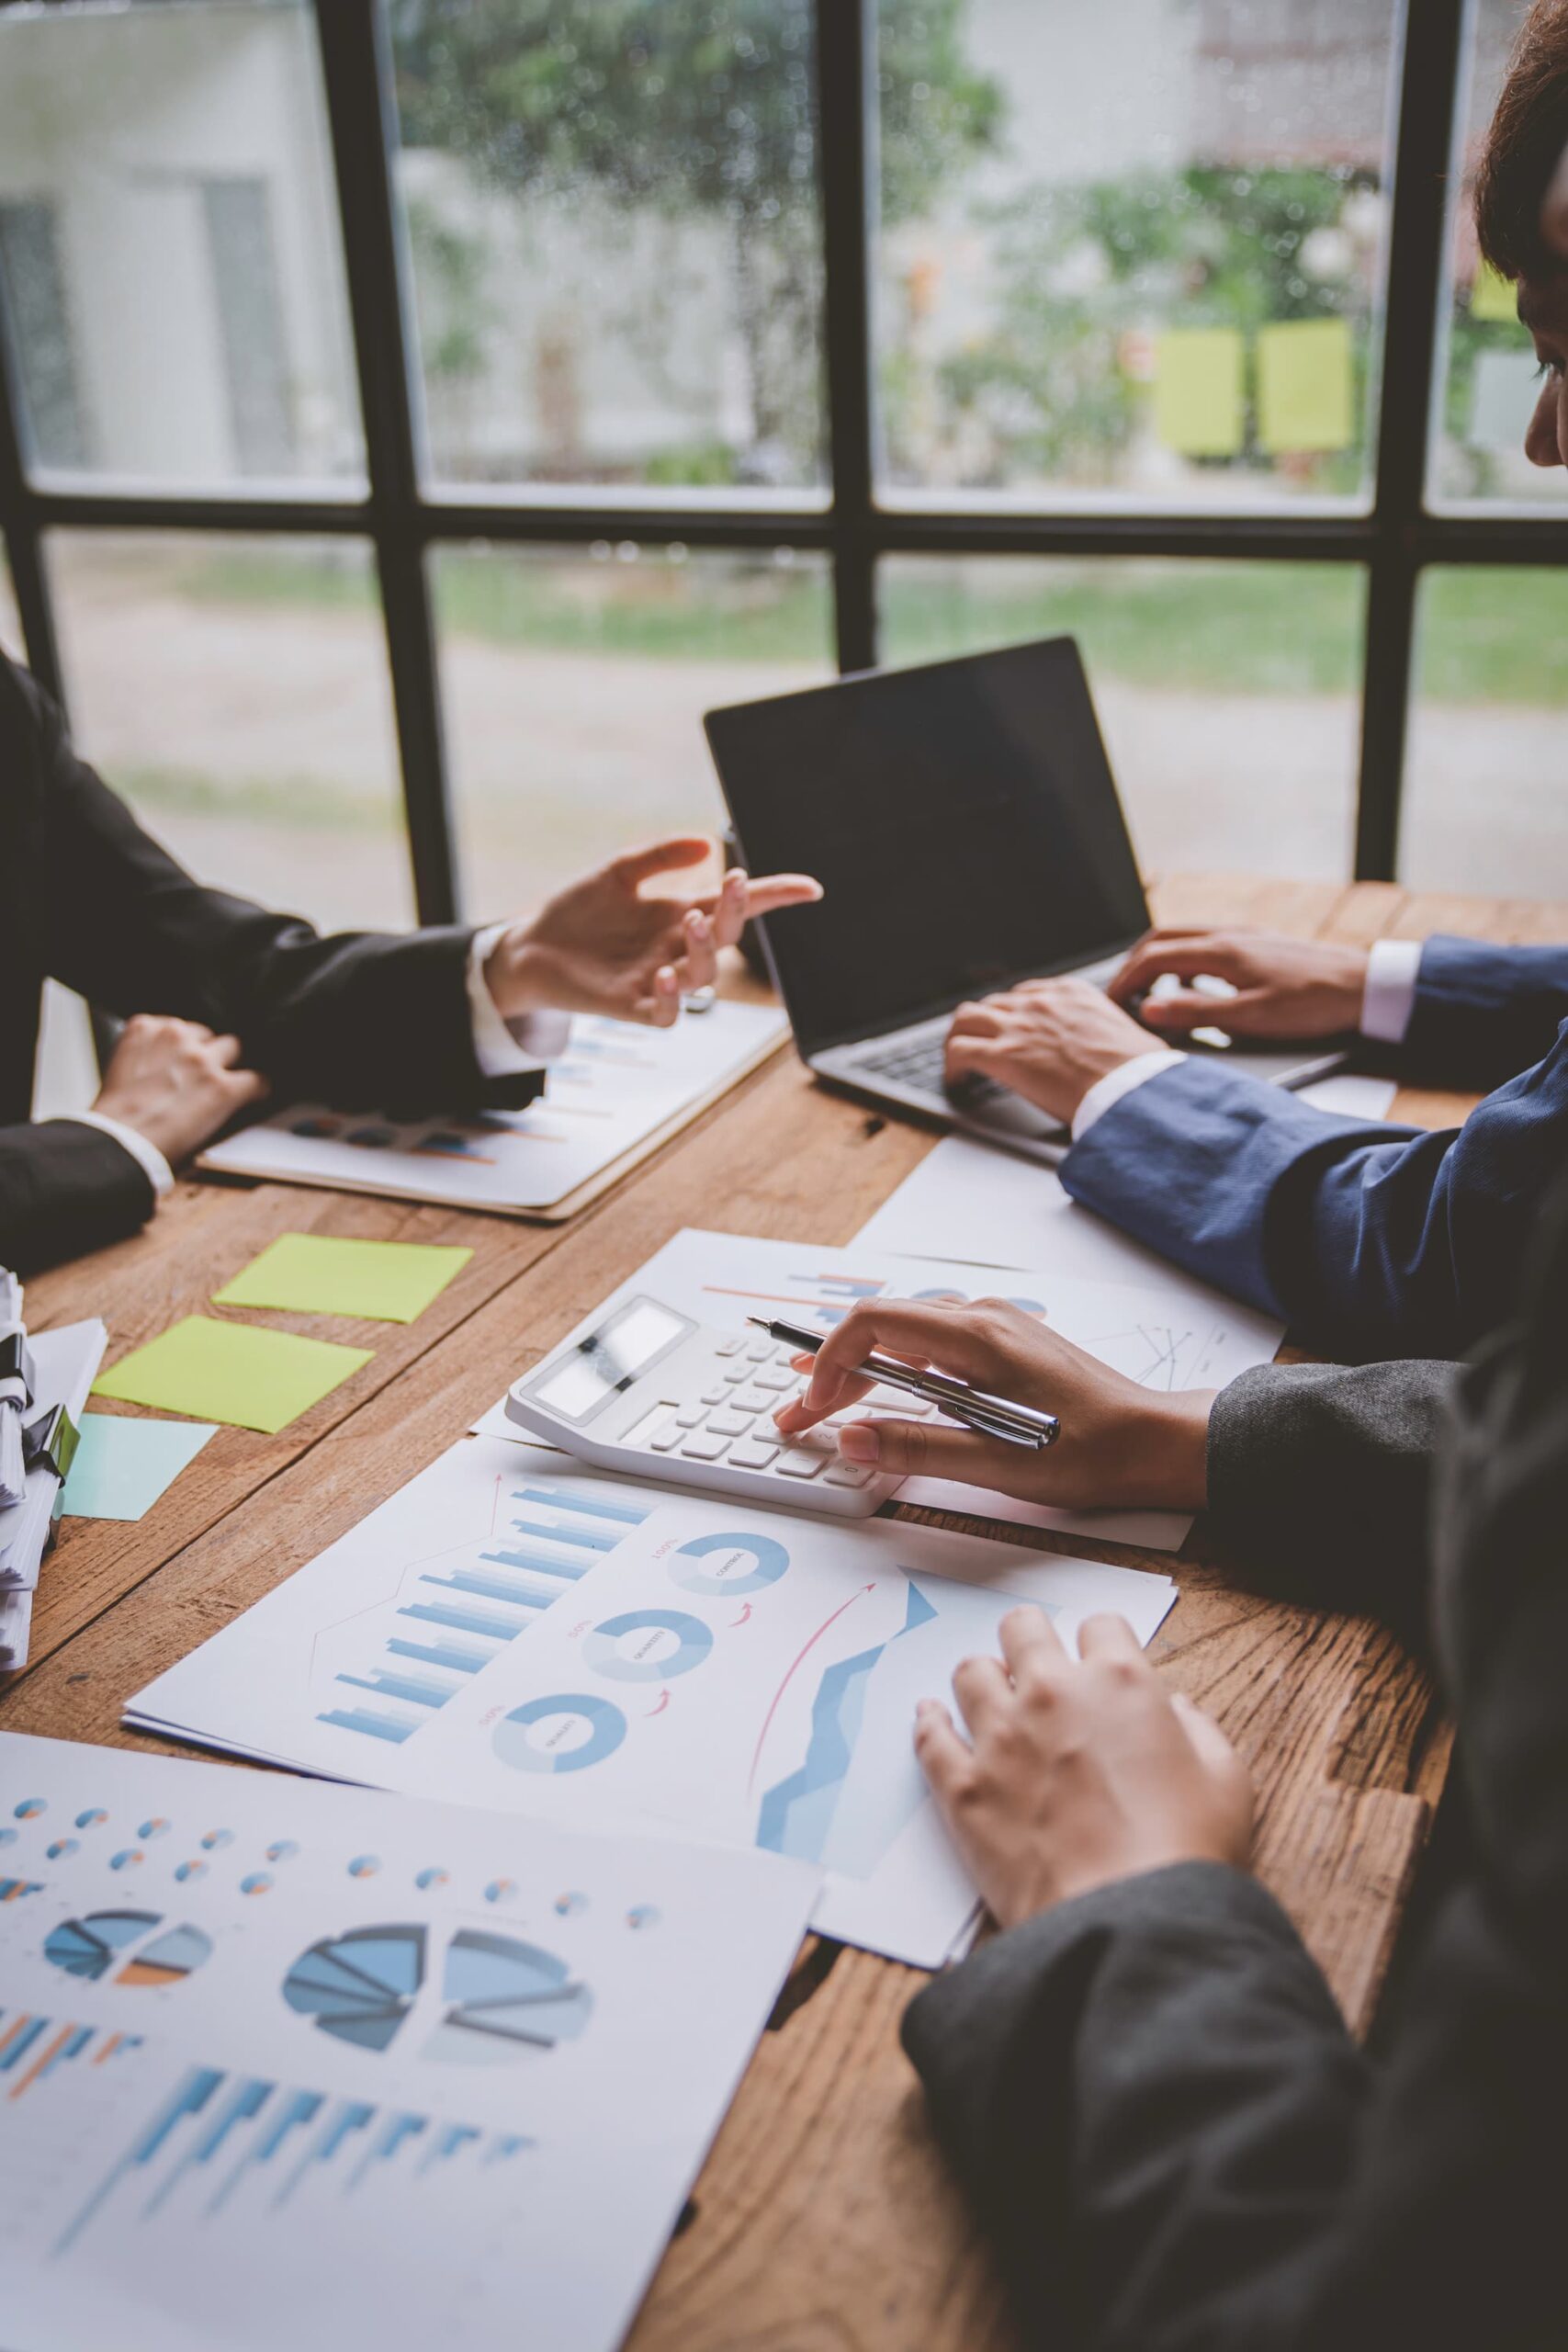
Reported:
(391, 1281)
(1306, 386)
(232, 1372)
(1198, 393)
(121, 1467)
(1491, 297)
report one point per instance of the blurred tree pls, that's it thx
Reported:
(695, 107)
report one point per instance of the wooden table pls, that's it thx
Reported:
(824, 2218)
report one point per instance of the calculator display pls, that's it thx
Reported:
(611, 1358)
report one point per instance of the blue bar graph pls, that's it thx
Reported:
(587, 1539)
(463, 1620)
(626, 1514)
(400, 1685)
(361, 1719)
(507, 1588)
(449, 1653)
(246, 2101)
(191, 2094)
(540, 1564)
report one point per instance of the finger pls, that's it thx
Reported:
(1030, 1641)
(1210, 1743)
(661, 1006)
(635, 866)
(982, 1691)
(775, 890)
(797, 1413)
(976, 1021)
(1236, 1015)
(978, 1057)
(225, 1051)
(939, 1335)
(242, 1087)
(911, 1450)
(727, 911)
(1184, 958)
(944, 1757)
(698, 967)
(1108, 1635)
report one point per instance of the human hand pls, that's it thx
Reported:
(1119, 1444)
(1077, 1771)
(1284, 987)
(176, 1083)
(600, 946)
(1048, 1040)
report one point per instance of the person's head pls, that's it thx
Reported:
(1521, 209)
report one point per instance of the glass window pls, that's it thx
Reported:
(1488, 369)
(1160, 278)
(1484, 774)
(575, 687)
(235, 691)
(169, 244)
(1227, 692)
(10, 619)
(615, 242)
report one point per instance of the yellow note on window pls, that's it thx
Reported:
(1200, 404)
(1491, 297)
(1305, 387)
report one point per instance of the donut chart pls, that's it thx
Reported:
(566, 1731)
(648, 1644)
(719, 1565)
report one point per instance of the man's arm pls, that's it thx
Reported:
(1479, 1014)
(66, 1187)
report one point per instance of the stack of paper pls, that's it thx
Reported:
(64, 1363)
(282, 2063)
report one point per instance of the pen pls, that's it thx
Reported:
(993, 1415)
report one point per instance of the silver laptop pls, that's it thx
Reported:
(965, 825)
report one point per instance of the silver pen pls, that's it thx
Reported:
(992, 1415)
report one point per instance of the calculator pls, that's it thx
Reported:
(644, 1390)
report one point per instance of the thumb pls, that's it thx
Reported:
(1210, 1743)
(242, 1086)
(910, 1450)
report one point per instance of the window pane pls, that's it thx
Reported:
(235, 691)
(1227, 692)
(10, 619)
(1483, 779)
(1488, 364)
(1136, 251)
(613, 222)
(575, 687)
(169, 244)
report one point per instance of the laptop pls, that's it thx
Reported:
(965, 825)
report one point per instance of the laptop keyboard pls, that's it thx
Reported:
(918, 1062)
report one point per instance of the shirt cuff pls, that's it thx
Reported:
(1119, 1082)
(148, 1156)
(502, 1048)
(1388, 999)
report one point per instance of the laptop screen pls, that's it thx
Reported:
(962, 819)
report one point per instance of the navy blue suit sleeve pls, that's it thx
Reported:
(1483, 1013)
(1369, 1240)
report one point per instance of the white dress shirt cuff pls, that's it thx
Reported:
(1388, 999)
(147, 1155)
(1119, 1082)
(502, 1048)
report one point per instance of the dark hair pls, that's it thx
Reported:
(1524, 146)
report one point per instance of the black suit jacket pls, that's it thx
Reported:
(1149, 2091)
(86, 896)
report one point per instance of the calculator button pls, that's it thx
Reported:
(751, 1400)
(667, 1440)
(795, 1462)
(690, 1417)
(702, 1446)
(767, 1377)
(752, 1455)
(729, 1347)
(717, 1395)
(844, 1473)
(737, 1372)
(760, 1350)
(728, 1424)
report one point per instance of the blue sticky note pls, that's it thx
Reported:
(122, 1466)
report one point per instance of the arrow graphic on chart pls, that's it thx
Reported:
(659, 1710)
(743, 1619)
(784, 1686)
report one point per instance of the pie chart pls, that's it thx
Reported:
(563, 1733)
(719, 1565)
(133, 1947)
(473, 1999)
(648, 1644)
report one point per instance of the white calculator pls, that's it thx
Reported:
(646, 1391)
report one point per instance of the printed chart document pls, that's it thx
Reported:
(615, 1087)
(289, 2064)
(512, 1634)
(1165, 1331)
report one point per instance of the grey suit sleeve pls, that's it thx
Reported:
(1319, 1479)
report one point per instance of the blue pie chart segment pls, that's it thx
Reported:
(566, 1731)
(718, 1566)
(648, 1644)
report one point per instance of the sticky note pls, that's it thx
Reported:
(1503, 398)
(1491, 296)
(122, 1466)
(1200, 407)
(1306, 386)
(232, 1372)
(391, 1281)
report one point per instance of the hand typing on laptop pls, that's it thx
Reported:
(1048, 1040)
(1284, 987)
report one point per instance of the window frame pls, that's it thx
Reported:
(1393, 541)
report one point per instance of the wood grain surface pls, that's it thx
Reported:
(823, 2220)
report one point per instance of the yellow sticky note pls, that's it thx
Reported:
(1491, 297)
(1198, 393)
(1306, 386)
(232, 1372)
(390, 1282)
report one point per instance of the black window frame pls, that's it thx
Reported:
(1391, 543)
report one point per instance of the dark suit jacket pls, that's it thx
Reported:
(86, 896)
(1369, 1240)
(1149, 2092)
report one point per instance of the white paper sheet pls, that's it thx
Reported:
(399, 1656)
(615, 1085)
(1167, 1333)
(65, 1363)
(282, 2063)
